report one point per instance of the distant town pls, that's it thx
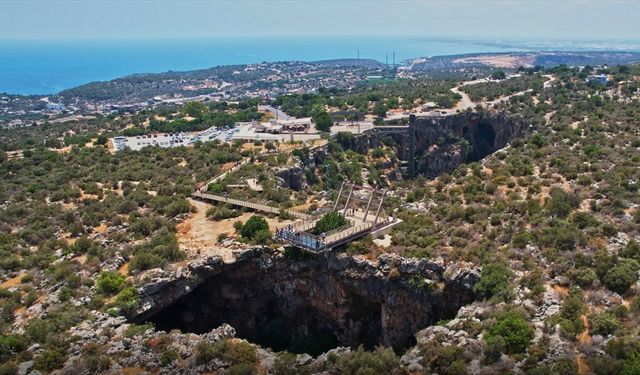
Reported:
(266, 80)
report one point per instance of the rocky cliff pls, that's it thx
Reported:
(443, 143)
(310, 305)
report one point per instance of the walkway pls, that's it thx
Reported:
(224, 174)
(251, 205)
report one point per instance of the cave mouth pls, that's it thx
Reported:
(297, 323)
(483, 141)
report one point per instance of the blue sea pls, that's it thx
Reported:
(49, 66)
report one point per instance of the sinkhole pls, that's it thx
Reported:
(308, 309)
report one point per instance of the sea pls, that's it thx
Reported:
(40, 67)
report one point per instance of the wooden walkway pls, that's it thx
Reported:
(251, 205)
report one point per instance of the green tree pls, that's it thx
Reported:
(380, 109)
(330, 221)
(620, 277)
(498, 74)
(323, 121)
(604, 324)
(195, 109)
(110, 282)
(514, 329)
(253, 226)
(494, 281)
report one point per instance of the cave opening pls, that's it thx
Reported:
(483, 142)
(298, 323)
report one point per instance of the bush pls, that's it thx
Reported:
(330, 221)
(380, 361)
(620, 277)
(216, 188)
(229, 350)
(242, 369)
(285, 364)
(162, 247)
(50, 360)
(583, 276)
(514, 329)
(128, 300)
(110, 282)
(11, 345)
(604, 324)
(253, 226)
(561, 203)
(494, 281)
(8, 368)
(221, 213)
(168, 356)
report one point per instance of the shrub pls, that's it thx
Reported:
(242, 369)
(8, 368)
(583, 276)
(254, 225)
(216, 188)
(285, 364)
(10, 345)
(221, 213)
(168, 356)
(514, 329)
(604, 324)
(137, 329)
(330, 221)
(561, 203)
(128, 300)
(50, 360)
(380, 361)
(620, 277)
(205, 352)
(110, 282)
(494, 281)
(632, 250)
(228, 350)
(565, 366)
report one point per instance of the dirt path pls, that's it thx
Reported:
(465, 102)
(198, 236)
(14, 281)
(583, 338)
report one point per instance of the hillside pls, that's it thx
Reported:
(518, 249)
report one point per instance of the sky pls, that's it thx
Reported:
(136, 19)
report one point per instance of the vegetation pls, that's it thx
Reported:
(510, 334)
(329, 221)
(553, 215)
(380, 361)
(256, 229)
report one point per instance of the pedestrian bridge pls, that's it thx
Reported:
(362, 207)
(252, 205)
(364, 213)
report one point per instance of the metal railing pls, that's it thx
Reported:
(248, 204)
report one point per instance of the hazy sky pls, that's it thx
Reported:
(559, 19)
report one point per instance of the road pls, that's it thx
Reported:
(276, 112)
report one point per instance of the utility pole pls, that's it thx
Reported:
(386, 61)
(394, 60)
(358, 53)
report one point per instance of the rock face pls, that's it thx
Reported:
(315, 304)
(291, 178)
(443, 143)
